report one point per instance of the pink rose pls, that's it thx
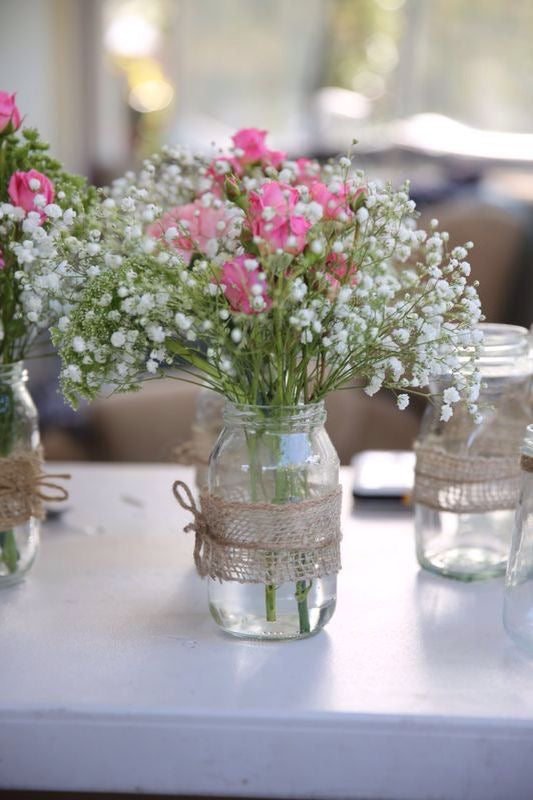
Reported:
(339, 271)
(196, 225)
(238, 282)
(333, 203)
(9, 113)
(23, 186)
(271, 218)
(2, 262)
(252, 143)
(307, 171)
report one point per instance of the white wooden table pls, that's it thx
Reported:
(114, 678)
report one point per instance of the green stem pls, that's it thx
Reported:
(10, 554)
(302, 590)
(270, 602)
(8, 547)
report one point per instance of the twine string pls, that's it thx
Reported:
(24, 486)
(199, 524)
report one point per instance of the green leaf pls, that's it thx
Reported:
(193, 358)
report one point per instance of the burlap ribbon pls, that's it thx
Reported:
(465, 484)
(264, 542)
(526, 463)
(24, 486)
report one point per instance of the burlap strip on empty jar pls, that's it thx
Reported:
(466, 484)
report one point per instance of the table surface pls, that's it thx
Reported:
(113, 676)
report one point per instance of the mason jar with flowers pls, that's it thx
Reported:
(37, 204)
(272, 281)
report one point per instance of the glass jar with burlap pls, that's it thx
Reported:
(20, 509)
(268, 526)
(467, 474)
(24, 486)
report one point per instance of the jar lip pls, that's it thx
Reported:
(297, 407)
(499, 334)
(266, 414)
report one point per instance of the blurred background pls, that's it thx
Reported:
(440, 91)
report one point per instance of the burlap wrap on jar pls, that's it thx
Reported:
(264, 542)
(470, 483)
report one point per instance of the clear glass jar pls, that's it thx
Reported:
(18, 429)
(274, 455)
(467, 476)
(518, 599)
(205, 430)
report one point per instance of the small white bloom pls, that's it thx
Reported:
(53, 211)
(451, 395)
(73, 373)
(236, 335)
(78, 344)
(402, 401)
(118, 339)
(446, 412)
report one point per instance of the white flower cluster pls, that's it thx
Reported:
(41, 275)
(275, 285)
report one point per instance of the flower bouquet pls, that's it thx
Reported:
(273, 282)
(38, 203)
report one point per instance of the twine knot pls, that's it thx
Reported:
(24, 486)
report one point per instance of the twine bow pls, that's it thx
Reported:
(199, 524)
(24, 486)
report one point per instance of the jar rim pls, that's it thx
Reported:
(303, 413)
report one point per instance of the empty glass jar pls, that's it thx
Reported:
(467, 474)
(518, 602)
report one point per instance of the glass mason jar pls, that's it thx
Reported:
(273, 455)
(18, 429)
(205, 430)
(467, 474)
(518, 600)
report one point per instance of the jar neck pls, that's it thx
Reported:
(287, 419)
(13, 374)
(504, 351)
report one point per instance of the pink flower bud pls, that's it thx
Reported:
(9, 113)
(238, 281)
(23, 186)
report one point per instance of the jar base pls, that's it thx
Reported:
(11, 579)
(466, 563)
(252, 626)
